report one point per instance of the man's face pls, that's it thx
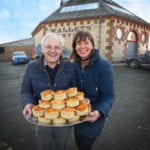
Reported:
(52, 50)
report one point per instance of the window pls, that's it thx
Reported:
(119, 33)
(143, 37)
(79, 7)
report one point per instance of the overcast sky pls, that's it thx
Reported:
(18, 18)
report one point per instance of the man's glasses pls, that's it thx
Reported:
(56, 48)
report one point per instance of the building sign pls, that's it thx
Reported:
(69, 30)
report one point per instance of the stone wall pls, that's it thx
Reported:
(68, 29)
(104, 32)
(7, 54)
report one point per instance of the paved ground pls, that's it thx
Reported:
(127, 127)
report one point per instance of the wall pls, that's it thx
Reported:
(109, 45)
(6, 56)
(68, 29)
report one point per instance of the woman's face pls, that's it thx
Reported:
(84, 48)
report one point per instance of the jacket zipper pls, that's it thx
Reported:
(49, 80)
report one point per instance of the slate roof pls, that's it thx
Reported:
(23, 42)
(73, 9)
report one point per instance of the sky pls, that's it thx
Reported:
(18, 18)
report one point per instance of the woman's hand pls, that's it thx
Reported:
(27, 111)
(87, 100)
(94, 116)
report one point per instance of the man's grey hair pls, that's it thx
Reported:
(52, 36)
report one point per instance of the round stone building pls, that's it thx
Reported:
(117, 31)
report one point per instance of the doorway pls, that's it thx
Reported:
(131, 46)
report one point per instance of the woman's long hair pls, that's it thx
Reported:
(80, 36)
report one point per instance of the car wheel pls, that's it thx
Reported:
(134, 64)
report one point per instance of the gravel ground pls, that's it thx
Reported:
(126, 128)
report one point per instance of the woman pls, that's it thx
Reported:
(95, 77)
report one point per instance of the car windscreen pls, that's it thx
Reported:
(18, 53)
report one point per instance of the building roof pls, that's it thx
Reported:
(23, 42)
(74, 9)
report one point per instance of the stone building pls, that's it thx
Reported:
(117, 31)
(6, 49)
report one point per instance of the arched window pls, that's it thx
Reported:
(131, 36)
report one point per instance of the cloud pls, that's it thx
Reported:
(46, 7)
(19, 19)
(5, 38)
(142, 11)
(4, 14)
(139, 8)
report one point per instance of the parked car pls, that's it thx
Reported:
(65, 54)
(137, 61)
(37, 52)
(19, 57)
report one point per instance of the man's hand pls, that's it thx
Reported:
(27, 111)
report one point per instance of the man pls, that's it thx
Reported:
(52, 72)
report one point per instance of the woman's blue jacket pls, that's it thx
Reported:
(96, 80)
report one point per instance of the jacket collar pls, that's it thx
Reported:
(94, 57)
(40, 62)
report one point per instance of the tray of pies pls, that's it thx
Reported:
(60, 108)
